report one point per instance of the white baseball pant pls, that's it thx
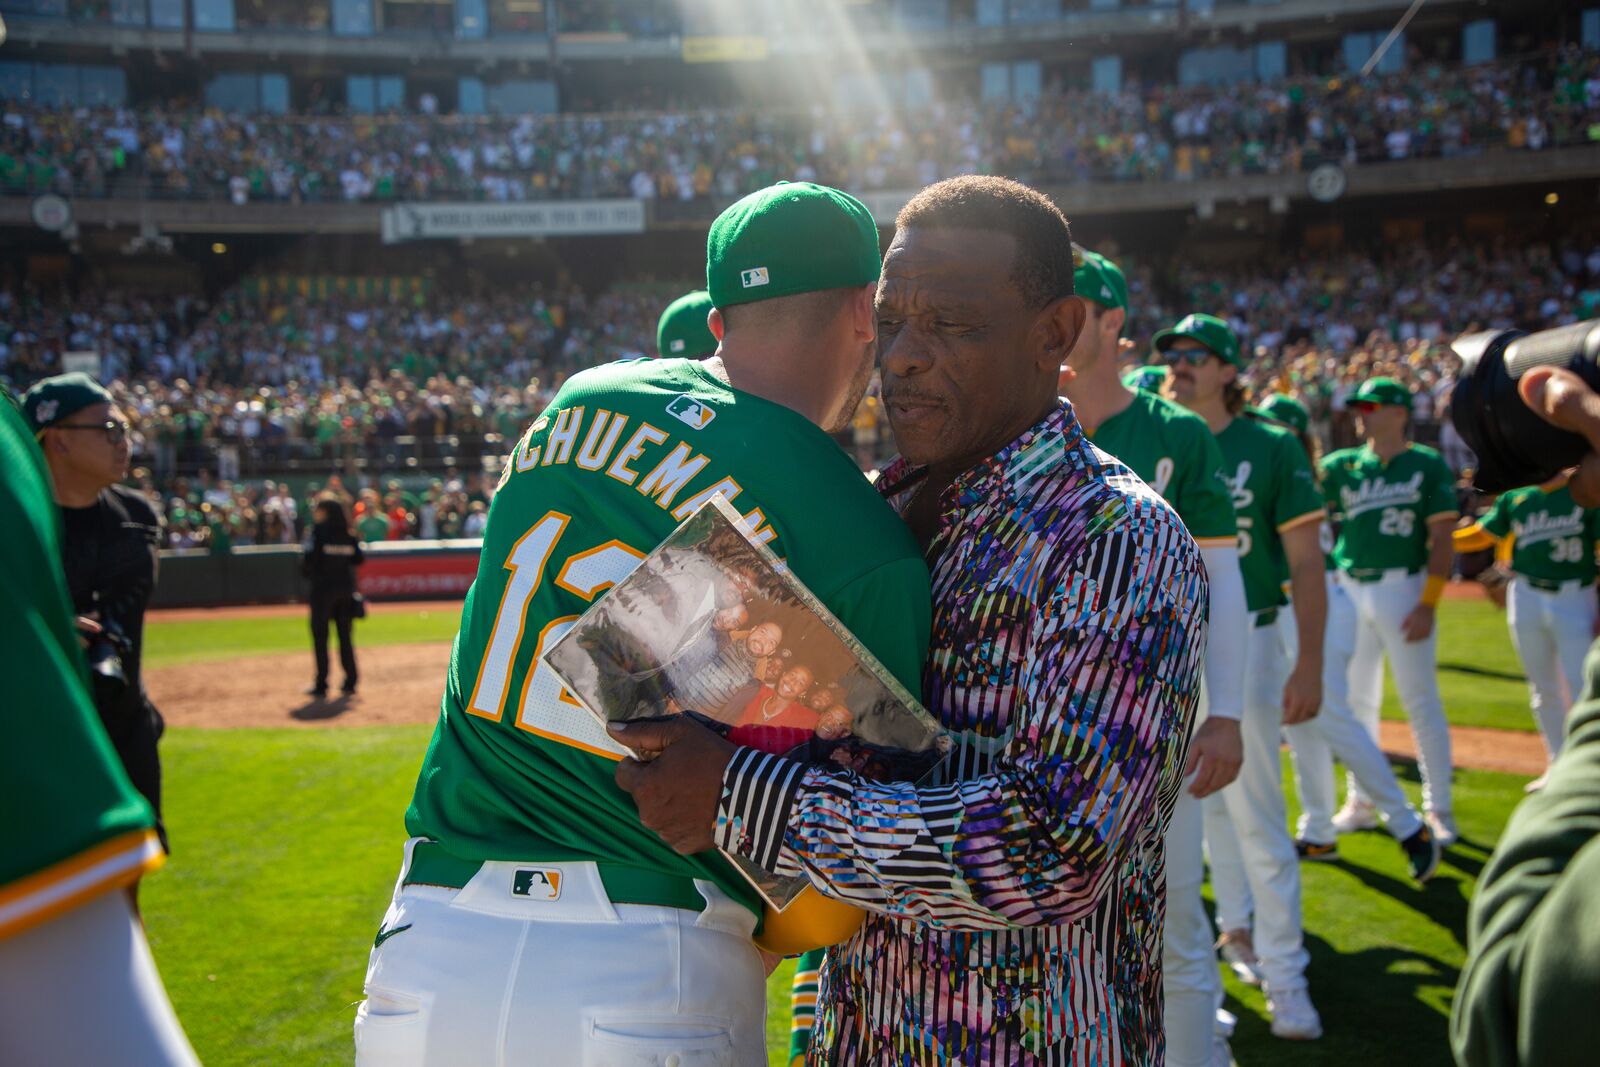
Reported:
(1262, 871)
(1191, 983)
(1336, 732)
(1552, 631)
(480, 975)
(92, 959)
(1381, 606)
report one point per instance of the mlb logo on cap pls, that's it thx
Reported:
(538, 883)
(754, 276)
(677, 345)
(689, 411)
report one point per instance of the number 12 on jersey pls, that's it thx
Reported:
(544, 708)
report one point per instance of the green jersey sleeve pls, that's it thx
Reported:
(88, 831)
(1202, 498)
(1496, 522)
(1298, 499)
(1440, 491)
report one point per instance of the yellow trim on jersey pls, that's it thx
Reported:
(1310, 516)
(1218, 542)
(112, 864)
(1474, 538)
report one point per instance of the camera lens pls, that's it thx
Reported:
(1514, 445)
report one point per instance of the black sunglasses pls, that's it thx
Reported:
(116, 430)
(1192, 356)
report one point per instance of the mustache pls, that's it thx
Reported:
(911, 396)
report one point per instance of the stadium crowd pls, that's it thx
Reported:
(1063, 136)
(265, 380)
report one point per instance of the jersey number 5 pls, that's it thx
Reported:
(544, 708)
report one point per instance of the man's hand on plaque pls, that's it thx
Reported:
(675, 778)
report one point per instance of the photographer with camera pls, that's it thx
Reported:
(1528, 407)
(332, 554)
(110, 540)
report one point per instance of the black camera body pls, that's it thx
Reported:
(1515, 446)
(105, 653)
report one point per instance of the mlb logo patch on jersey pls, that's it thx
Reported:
(537, 883)
(691, 412)
(754, 276)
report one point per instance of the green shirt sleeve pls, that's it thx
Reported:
(57, 763)
(1441, 491)
(1329, 469)
(1297, 495)
(890, 611)
(1497, 522)
(1202, 498)
(1532, 978)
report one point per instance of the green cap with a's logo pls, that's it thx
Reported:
(55, 399)
(790, 238)
(682, 332)
(1208, 330)
(1281, 407)
(1094, 277)
(1385, 391)
(1147, 379)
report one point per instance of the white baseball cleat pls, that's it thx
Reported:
(1355, 815)
(1239, 953)
(1443, 825)
(1293, 1017)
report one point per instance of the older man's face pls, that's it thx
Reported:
(963, 368)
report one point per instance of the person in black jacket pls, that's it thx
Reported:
(332, 555)
(110, 555)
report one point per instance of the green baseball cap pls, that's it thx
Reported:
(682, 331)
(54, 399)
(1208, 330)
(1096, 278)
(1148, 379)
(789, 238)
(1284, 408)
(1383, 391)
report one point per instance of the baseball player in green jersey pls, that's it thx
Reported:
(682, 332)
(1335, 729)
(536, 920)
(1396, 503)
(1551, 603)
(1174, 451)
(1279, 512)
(68, 937)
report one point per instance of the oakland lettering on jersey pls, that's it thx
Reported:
(657, 465)
(1375, 493)
(1543, 526)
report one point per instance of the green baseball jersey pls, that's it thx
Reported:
(1554, 537)
(1173, 449)
(86, 830)
(1273, 491)
(516, 769)
(1385, 508)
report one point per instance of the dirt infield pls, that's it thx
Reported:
(273, 611)
(402, 684)
(399, 684)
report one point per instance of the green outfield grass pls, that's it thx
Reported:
(1480, 677)
(198, 639)
(286, 844)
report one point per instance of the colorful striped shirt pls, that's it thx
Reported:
(1016, 903)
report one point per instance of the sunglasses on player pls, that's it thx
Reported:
(116, 430)
(1366, 407)
(1192, 356)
